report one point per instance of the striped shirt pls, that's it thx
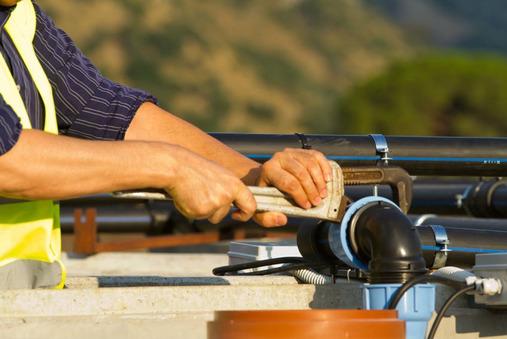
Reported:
(88, 105)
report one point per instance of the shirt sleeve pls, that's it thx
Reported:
(88, 105)
(10, 127)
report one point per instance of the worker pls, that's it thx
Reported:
(67, 131)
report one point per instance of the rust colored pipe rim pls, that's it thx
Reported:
(308, 315)
(299, 324)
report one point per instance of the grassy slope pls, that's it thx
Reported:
(271, 66)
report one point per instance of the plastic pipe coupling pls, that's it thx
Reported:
(374, 236)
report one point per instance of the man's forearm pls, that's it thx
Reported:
(45, 166)
(152, 123)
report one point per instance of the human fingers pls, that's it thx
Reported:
(187, 212)
(245, 202)
(299, 168)
(288, 183)
(219, 215)
(270, 219)
(324, 164)
(318, 167)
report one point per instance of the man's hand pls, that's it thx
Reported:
(300, 173)
(202, 189)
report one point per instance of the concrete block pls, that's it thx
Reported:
(145, 295)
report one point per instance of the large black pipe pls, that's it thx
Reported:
(486, 199)
(117, 216)
(97, 200)
(453, 156)
(479, 199)
(121, 218)
(465, 223)
(436, 198)
(467, 237)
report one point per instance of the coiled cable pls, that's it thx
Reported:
(309, 276)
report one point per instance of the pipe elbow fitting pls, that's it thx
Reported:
(374, 236)
(385, 238)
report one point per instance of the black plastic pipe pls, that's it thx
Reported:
(436, 198)
(453, 156)
(486, 199)
(120, 218)
(117, 216)
(478, 199)
(100, 200)
(467, 237)
(455, 222)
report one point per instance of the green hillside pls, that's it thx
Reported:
(441, 94)
(233, 65)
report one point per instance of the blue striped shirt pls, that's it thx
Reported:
(88, 105)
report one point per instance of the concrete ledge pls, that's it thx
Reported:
(164, 300)
(144, 264)
(141, 295)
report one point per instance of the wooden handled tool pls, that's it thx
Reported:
(270, 199)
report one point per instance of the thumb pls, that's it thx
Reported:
(245, 202)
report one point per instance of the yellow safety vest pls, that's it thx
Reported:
(30, 240)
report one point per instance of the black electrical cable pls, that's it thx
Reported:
(291, 264)
(234, 269)
(282, 269)
(426, 278)
(445, 307)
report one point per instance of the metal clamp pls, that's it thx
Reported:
(422, 219)
(442, 241)
(381, 147)
(304, 141)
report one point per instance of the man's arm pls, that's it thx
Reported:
(301, 173)
(153, 123)
(45, 166)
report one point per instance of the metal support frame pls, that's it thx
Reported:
(86, 239)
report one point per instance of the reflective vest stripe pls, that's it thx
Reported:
(30, 240)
